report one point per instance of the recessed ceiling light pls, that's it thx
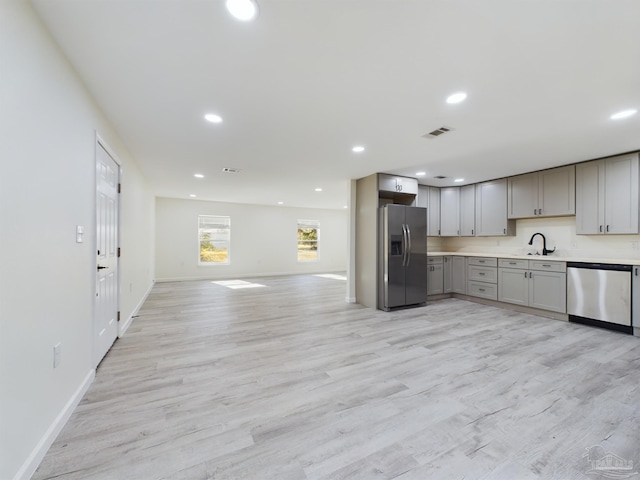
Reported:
(456, 97)
(192, 196)
(346, 206)
(244, 10)
(458, 180)
(318, 189)
(420, 174)
(624, 114)
(280, 203)
(213, 118)
(198, 175)
(358, 149)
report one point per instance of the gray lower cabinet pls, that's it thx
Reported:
(459, 275)
(447, 273)
(635, 301)
(435, 275)
(482, 277)
(533, 283)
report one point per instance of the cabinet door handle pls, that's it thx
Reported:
(600, 228)
(472, 231)
(539, 211)
(607, 228)
(512, 263)
(481, 274)
(636, 271)
(534, 211)
(504, 230)
(525, 274)
(546, 266)
(481, 289)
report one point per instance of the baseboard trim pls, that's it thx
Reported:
(31, 464)
(126, 324)
(241, 275)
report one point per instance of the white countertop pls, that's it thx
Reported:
(552, 257)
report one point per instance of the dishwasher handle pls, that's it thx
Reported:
(600, 266)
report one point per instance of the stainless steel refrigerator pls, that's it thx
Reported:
(402, 257)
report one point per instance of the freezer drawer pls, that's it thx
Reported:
(603, 295)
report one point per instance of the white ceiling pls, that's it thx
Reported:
(309, 79)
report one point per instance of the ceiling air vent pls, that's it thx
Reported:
(231, 170)
(437, 132)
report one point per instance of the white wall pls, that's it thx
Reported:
(47, 187)
(263, 240)
(560, 233)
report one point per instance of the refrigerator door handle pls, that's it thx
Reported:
(408, 245)
(404, 245)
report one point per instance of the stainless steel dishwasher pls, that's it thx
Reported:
(599, 294)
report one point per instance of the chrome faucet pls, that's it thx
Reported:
(544, 244)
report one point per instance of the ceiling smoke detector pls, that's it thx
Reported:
(437, 132)
(231, 170)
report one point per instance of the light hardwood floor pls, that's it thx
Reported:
(289, 382)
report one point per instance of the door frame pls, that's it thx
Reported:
(100, 142)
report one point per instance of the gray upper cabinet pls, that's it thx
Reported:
(433, 223)
(607, 196)
(491, 209)
(468, 211)
(450, 211)
(429, 198)
(523, 195)
(393, 183)
(547, 193)
(457, 211)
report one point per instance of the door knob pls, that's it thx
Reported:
(100, 267)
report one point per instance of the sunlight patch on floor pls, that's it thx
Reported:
(331, 275)
(235, 284)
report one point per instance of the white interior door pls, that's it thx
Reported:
(106, 300)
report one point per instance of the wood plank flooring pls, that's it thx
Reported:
(289, 382)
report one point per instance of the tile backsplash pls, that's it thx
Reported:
(560, 233)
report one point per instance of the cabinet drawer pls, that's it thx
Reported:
(513, 263)
(482, 274)
(482, 261)
(434, 260)
(484, 290)
(547, 266)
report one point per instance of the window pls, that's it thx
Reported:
(214, 235)
(308, 234)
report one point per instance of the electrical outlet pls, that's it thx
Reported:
(57, 354)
